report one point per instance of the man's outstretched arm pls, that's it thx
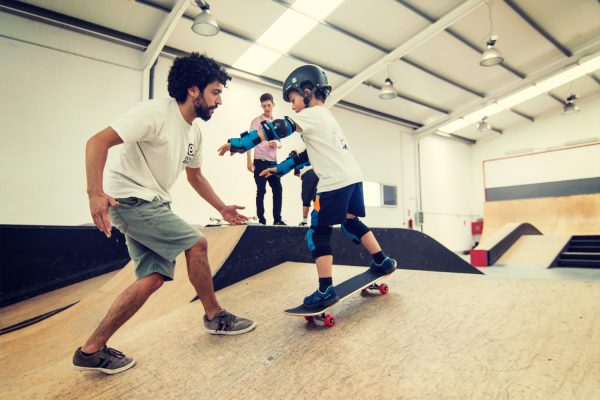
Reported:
(205, 190)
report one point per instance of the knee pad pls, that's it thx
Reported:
(354, 229)
(318, 239)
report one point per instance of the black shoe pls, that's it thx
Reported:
(279, 223)
(262, 221)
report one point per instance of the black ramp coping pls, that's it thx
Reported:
(263, 247)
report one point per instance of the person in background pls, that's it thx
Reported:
(265, 156)
(310, 180)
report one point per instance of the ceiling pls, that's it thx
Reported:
(430, 50)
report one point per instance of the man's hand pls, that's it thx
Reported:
(99, 204)
(250, 166)
(231, 215)
(268, 172)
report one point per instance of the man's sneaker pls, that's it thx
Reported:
(386, 267)
(302, 223)
(319, 299)
(225, 323)
(279, 223)
(107, 360)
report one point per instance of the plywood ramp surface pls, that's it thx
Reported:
(434, 336)
(566, 215)
(51, 301)
(533, 251)
(58, 336)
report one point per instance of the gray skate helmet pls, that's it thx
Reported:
(312, 74)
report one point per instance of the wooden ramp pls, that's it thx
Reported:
(566, 215)
(533, 251)
(50, 301)
(56, 337)
(434, 336)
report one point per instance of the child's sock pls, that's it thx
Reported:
(378, 257)
(304, 219)
(324, 283)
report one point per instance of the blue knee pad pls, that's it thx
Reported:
(318, 239)
(355, 229)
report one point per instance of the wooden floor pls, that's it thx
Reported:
(434, 336)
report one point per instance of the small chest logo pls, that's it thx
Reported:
(190, 154)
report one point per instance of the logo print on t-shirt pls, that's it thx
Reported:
(190, 154)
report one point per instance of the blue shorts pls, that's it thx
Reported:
(330, 208)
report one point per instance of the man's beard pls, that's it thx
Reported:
(202, 111)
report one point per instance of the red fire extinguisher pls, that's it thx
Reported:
(410, 220)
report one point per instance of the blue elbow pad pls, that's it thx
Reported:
(278, 129)
(284, 167)
(294, 161)
(247, 141)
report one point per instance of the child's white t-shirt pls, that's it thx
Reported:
(327, 148)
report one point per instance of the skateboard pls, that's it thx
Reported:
(363, 282)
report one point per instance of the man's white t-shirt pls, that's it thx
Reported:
(158, 145)
(327, 149)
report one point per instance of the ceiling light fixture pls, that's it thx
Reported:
(387, 91)
(205, 24)
(483, 125)
(491, 56)
(570, 106)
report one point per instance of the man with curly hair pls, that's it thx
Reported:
(160, 139)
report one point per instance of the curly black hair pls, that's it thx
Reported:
(194, 70)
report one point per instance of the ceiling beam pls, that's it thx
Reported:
(459, 37)
(382, 49)
(303, 60)
(163, 33)
(404, 49)
(515, 7)
(548, 69)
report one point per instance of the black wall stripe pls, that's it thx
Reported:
(548, 189)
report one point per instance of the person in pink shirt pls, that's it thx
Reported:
(265, 156)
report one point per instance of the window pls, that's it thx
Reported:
(379, 195)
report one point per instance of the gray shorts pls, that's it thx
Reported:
(155, 236)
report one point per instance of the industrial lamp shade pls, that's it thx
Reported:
(491, 56)
(387, 91)
(483, 125)
(570, 106)
(205, 24)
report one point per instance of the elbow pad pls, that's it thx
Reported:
(247, 141)
(294, 161)
(278, 129)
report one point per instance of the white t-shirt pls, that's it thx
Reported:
(158, 145)
(327, 148)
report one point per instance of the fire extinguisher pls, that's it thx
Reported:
(410, 220)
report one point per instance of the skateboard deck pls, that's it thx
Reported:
(361, 282)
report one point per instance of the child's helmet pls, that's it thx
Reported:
(311, 74)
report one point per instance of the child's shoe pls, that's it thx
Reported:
(319, 299)
(386, 267)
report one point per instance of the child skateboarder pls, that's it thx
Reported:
(339, 195)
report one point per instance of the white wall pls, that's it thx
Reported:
(59, 88)
(445, 191)
(51, 101)
(548, 132)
